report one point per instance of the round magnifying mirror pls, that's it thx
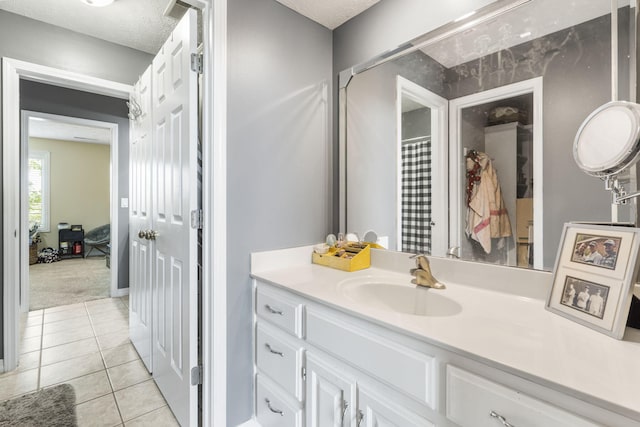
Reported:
(609, 139)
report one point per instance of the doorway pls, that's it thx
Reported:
(422, 116)
(503, 126)
(76, 180)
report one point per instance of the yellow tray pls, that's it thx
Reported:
(360, 261)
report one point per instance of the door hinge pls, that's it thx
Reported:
(196, 375)
(196, 63)
(197, 219)
(304, 374)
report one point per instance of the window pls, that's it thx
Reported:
(39, 189)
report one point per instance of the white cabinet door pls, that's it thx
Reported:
(140, 160)
(330, 396)
(175, 254)
(379, 411)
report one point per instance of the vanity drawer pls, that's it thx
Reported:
(405, 369)
(277, 308)
(472, 399)
(273, 409)
(280, 358)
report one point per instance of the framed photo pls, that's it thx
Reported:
(594, 274)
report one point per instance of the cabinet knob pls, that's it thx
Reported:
(152, 234)
(141, 234)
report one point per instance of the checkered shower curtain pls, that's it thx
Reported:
(416, 197)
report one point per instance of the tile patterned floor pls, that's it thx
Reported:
(87, 345)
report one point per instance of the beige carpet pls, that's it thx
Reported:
(68, 282)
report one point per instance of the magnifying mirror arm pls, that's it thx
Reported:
(620, 196)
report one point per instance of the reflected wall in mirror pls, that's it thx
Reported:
(505, 96)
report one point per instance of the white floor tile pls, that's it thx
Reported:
(68, 351)
(64, 337)
(100, 412)
(162, 417)
(18, 383)
(128, 374)
(139, 399)
(118, 355)
(69, 369)
(91, 386)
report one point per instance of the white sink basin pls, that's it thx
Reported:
(402, 297)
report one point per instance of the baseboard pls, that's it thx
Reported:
(120, 292)
(1, 365)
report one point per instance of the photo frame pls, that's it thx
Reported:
(595, 271)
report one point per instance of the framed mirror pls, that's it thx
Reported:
(461, 141)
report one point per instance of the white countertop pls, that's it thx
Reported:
(502, 321)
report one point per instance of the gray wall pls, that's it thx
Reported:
(67, 102)
(278, 157)
(33, 41)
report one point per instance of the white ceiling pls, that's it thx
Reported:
(58, 130)
(330, 13)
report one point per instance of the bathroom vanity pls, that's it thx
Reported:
(368, 348)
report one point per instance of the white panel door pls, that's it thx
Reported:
(140, 250)
(175, 256)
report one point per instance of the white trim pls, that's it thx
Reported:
(1, 365)
(214, 233)
(13, 71)
(342, 159)
(114, 195)
(456, 154)
(439, 133)
(120, 292)
(11, 211)
(69, 79)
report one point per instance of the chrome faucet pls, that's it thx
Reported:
(422, 273)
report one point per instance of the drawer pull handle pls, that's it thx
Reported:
(344, 411)
(273, 310)
(360, 417)
(502, 419)
(271, 350)
(272, 409)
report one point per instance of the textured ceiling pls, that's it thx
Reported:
(119, 23)
(330, 13)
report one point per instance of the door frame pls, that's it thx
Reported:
(439, 107)
(456, 168)
(12, 71)
(114, 196)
